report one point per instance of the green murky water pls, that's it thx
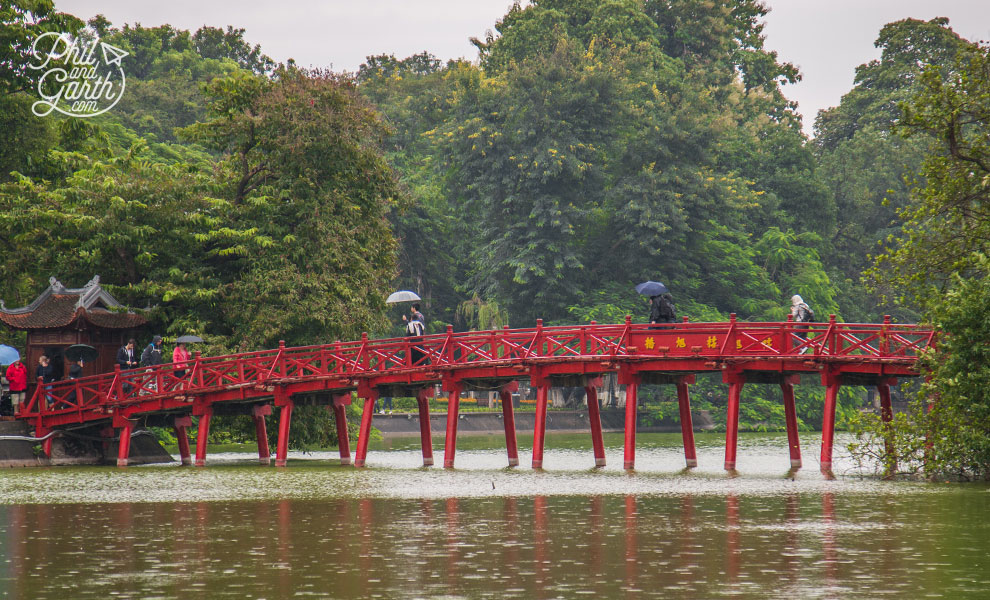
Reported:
(394, 530)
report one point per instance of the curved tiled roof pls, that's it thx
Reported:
(59, 306)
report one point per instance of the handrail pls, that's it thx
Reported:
(365, 357)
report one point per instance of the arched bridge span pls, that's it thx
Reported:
(254, 382)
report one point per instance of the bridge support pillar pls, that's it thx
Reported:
(453, 413)
(126, 427)
(285, 403)
(46, 446)
(258, 413)
(202, 435)
(631, 381)
(595, 420)
(509, 421)
(370, 395)
(887, 415)
(425, 433)
(831, 381)
(340, 402)
(790, 416)
(181, 425)
(687, 426)
(540, 428)
(736, 382)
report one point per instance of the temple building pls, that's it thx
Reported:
(61, 317)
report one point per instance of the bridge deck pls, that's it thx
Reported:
(862, 354)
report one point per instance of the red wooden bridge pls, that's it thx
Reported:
(252, 382)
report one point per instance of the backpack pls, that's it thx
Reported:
(667, 309)
(805, 314)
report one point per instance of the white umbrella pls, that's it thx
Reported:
(402, 296)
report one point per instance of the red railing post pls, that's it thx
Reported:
(280, 361)
(833, 339)
(117, 387)
(884, 340)
(196, 378)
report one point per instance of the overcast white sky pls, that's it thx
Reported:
(826, 39)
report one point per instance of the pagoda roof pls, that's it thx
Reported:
(59, 306)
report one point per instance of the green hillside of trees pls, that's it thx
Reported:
(593, 145)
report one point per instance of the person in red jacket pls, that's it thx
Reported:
(17, 376)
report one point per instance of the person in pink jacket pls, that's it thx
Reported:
(179, 356)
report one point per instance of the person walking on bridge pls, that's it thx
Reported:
(662, 309)
(152, 355)
(801, 313)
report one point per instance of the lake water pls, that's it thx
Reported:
(394, 530)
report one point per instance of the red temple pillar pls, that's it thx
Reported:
(124, 443)
(887, 415)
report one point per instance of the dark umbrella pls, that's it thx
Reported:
(188, 339)
(77, 351)
(652, 288)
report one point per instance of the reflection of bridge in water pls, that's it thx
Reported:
(250, 383)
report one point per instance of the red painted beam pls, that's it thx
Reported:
(361, 454)
(181, 425)
(540, 427)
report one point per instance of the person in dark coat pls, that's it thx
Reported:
(127, 356)
(75, 371)
(46, 371)
(152, 355)
(662, 309)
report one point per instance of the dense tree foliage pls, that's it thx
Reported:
(594, 145)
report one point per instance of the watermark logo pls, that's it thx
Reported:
(80, 78)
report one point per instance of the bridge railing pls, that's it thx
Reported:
(735, 340)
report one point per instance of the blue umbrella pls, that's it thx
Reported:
(652, 288)
(9, 355)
